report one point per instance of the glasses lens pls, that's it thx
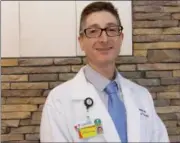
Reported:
(93, 32)
(113, 31)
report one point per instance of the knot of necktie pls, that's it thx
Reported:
(111, 88)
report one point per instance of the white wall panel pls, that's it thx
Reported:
(125, 13)
(47, 28)
(50, 28)
(10, 29)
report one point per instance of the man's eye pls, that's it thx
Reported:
(93, 30)
(113, 29)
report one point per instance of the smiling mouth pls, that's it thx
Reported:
(104, 49)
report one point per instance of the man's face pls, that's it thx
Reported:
(104, 49)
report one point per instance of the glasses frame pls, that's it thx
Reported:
(103, 29)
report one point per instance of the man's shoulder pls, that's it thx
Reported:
(139, 92)
(132, 84)
(60, 92)
(62, 87)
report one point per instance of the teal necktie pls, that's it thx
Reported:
(117, 110)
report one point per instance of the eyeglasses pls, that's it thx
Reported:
(111, 31)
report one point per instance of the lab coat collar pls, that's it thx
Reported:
(83, 89)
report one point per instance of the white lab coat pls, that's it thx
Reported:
(65, 107)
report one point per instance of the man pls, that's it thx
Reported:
(98, 97)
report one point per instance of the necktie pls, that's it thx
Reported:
(117, 110)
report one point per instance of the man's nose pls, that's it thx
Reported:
(103, 37)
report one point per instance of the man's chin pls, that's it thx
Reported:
(104, 62)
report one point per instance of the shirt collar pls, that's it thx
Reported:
(99, 81)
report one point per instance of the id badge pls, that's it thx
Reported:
(89, 128)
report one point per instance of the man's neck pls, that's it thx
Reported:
(107, 71)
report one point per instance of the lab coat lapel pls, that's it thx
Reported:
(133, 116)
(82, 90)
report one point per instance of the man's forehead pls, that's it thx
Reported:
(99, 19)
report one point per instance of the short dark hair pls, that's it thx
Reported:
(96, 7)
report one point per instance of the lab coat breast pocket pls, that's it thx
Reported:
(98, 138)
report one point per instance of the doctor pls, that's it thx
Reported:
(98, 104)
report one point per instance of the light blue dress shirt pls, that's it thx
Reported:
(100, 82)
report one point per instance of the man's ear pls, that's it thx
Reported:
(122, 36)
(80, 39)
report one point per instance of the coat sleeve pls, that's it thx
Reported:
(159, 131)
(53, 126)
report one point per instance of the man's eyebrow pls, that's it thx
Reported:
(97, 25)
(111, 24)
(93, 25)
